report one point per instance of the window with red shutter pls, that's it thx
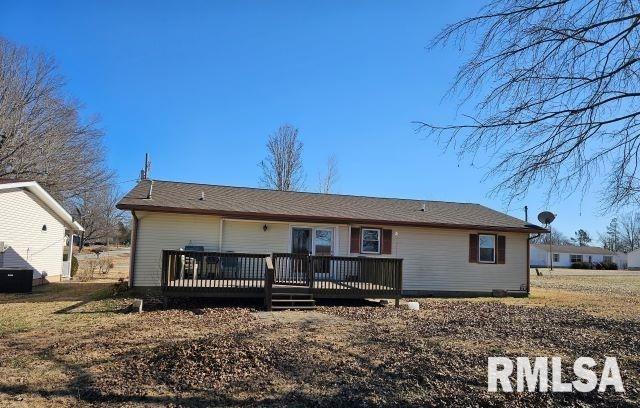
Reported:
(387, 235)
(355, 240)
(473, 248)
(502, 246)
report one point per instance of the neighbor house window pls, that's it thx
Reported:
(607, 259)
(576, 258)
(487, 252)
(556, 257)
(370, 241)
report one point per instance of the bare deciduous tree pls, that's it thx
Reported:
(42, 137)
(630, 232)
(327, 180)
(96, 211)
(554, 91)
(282, 169)
(554, 238)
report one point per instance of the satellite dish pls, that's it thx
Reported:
(546, 217)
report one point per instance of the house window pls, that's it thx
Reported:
(487, 245)
(607, 259)
(556, 257)
(370, 241)
(576, 258)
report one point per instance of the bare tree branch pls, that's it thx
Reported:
(327, 180)
(554, 87)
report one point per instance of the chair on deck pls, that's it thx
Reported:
(229, 265)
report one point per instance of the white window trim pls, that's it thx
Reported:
(362, 251)
(335, 244)
(572, 255)
(495, 244)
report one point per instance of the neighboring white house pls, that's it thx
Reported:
(34, 230)
(565, 255)
(445, 248)
(633, 259)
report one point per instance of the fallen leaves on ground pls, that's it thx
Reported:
(368, 356)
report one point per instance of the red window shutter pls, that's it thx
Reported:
(473, 248)
(355, 240)
(502, 246)
(386, 241)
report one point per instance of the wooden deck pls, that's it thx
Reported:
(229, 274)
(260, 284)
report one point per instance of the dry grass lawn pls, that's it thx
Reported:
(70, 344)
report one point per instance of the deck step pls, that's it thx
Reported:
(293, 301)
(298, 299)
(293, 295)
(297, 307)
(291, 289)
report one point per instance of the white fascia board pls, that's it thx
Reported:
(37, 190)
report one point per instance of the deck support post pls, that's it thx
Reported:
(268, 283)
(397, 302)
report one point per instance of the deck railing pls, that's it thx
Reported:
(325, 276)
(211, 271)
(340, 276)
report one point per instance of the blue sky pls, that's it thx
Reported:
(200, 86)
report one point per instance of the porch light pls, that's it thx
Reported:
(265, 227)
(44, 227)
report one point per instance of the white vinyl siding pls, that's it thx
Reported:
(438, 260)
(158, 231)
(434, 259)
(21, 219)
(250, 237)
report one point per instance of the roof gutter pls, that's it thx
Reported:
(307, 218)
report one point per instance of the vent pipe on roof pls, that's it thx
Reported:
(150, 190)
(526, 214)
(202, 196)
(424, 207)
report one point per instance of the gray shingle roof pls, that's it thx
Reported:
(256, 203)
(573, 249)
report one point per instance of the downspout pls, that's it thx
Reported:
(134, 241)
(529, 261)
(70, 256)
